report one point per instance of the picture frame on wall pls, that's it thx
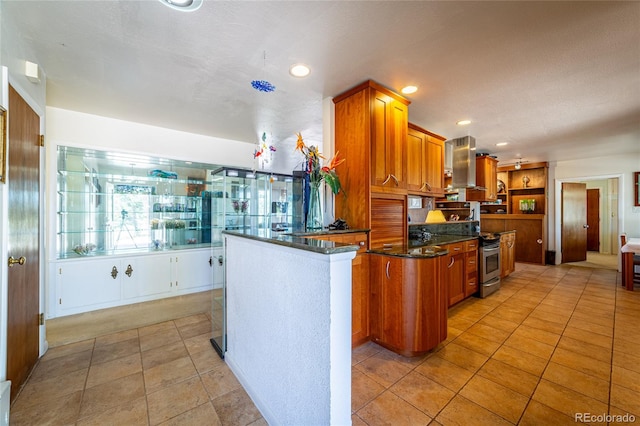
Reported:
(636, 187)
(3, 144)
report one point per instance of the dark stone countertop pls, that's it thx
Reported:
(423, 248)
(295, 241)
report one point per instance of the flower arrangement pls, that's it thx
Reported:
(318, 173)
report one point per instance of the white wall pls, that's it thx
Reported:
(289, 330)
(620, 166)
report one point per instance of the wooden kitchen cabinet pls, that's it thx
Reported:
(408, 304)
(471, 267)
(453, 273)
(388, 140)
(425, 162)
(459, 271)
(531, 232)
(370, 132)
(507, 254)
(486, 178)
(527, 183)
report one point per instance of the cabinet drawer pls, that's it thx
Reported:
(455, 248)
(355, 239)
(471, 261)
(471, 245)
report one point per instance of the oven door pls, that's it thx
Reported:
(490, 263)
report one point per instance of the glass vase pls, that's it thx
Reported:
(314, 215)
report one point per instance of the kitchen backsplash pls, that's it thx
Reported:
(450, 228)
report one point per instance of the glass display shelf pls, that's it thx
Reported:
(113, 203)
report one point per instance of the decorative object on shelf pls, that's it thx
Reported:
(240, 206)
(527, 205)
(501, 187)
(435, 216)
(339, 224)
(163, 174)
(85, 249)
(317, 174)
(525, 181)
(157, 244)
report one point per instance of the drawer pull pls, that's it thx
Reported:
(114, 272)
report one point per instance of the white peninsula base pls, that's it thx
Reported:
(289, 329)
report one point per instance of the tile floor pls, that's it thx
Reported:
(555, 341)
(167, 373)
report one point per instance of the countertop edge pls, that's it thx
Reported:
(300, 243)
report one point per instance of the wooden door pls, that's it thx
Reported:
(593, 219)
(23, 297)
(574, 222)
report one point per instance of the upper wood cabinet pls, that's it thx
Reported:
(425, 162)
(370, 133)
(486, 179)
(388, 141)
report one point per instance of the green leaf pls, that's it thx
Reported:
(332, 179)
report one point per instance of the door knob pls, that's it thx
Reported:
(585, 226)
(12, 261)
(129, 271)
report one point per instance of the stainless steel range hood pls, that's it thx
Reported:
(463, 162)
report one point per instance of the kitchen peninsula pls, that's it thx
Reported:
(289, 325)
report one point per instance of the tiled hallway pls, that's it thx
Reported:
(555, 341)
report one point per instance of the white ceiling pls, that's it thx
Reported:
(556, 80)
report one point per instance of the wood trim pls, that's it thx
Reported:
(370, 84)
(524, 166)
(423, 130)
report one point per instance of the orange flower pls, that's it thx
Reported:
(300, 143)
(335, 162)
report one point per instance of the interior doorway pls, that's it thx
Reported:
(609, 205)
(593, 219)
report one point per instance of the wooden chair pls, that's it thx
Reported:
(636, 261)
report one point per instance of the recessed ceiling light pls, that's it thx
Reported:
(502, 143)
(299, 70)
(407, 90)
(183, 5)
(463, 122)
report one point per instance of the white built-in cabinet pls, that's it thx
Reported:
(103, 282)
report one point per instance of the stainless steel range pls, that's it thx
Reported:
(489, 263)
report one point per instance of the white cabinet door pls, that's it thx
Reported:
(193, 269)
(148, 276)
(87, 284)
